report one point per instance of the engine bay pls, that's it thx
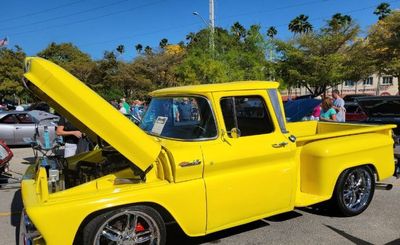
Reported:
(65, 173)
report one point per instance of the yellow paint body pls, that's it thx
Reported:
(239, 180)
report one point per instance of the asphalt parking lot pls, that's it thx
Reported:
(379, 224)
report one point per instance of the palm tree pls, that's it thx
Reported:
(120, 49)
(271, 32)
(238, 30)
(382, 10)
(139, 48)
(339, 21)
(191, 37)
(300, 25)
(148, 50)
(163, 43)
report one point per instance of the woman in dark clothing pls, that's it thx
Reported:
(71, 136)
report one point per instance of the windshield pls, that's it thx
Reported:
(186, 118)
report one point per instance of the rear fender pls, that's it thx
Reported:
(321, 162)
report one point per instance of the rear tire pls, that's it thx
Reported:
(354, 190)
(133, 225)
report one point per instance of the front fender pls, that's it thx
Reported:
(321, 162)
(59, 219)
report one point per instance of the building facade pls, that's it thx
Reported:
(373, 85)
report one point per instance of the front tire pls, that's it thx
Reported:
(130, 225)
(354, 190)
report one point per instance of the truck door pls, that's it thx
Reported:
(250, 170)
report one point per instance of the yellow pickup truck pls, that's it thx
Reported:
(207, 157)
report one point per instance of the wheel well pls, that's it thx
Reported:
(166, 216)
(373, 168)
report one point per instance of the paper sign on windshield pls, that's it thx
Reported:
(159, 125)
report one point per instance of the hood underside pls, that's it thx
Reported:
(89, 112)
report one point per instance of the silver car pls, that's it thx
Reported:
(19, 127)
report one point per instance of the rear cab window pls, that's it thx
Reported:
(248, 114)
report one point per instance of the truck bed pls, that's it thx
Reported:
(315, 130)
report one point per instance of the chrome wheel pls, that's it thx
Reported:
(128, 227)
(357, 189)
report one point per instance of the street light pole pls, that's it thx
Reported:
(209, 24)
(212, 23)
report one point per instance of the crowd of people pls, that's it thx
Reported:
(136, 108)
(331, 109)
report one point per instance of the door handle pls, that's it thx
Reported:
(188, 164)
(280, 145)
(17, 127)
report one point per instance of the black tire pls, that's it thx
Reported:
(349, 198)
(92, 232)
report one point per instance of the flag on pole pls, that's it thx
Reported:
(4, 42)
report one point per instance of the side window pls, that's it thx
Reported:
(24, 118)
(246, 113)
(9, 119)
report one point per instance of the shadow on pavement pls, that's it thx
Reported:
(284, 216)
(16, 208)
(322, 209)
(29, 160)
(177, 236)
(349, 237)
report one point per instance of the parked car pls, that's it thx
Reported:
(383, 110)
(353, 97)
(234, 161)
(17, 127)
(354, 113)
(5, 157)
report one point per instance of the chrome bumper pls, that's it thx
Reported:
(28, 235)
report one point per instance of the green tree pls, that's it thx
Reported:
(148, 50)
(382, 10)
(338, 22)
(70, 58)
(238, 30)
(300, 25)
(384, 45)
(271, 32)
(120, 49)
(239, 55)
(139, 48)
(324, 58)
(163, 43)
(11, 70)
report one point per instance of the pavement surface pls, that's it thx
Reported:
(379, 224)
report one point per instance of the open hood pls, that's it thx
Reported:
(380, 106)
(89, 112)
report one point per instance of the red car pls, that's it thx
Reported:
(354, 113)
(5, 156)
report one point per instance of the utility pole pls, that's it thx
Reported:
(212, 24)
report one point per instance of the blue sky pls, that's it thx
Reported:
(99, 25)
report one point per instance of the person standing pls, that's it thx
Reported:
(338, 105)
(126, 106)
(327, 111)
(71, 136)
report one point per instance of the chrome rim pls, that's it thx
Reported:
(128, 227)
(357, 189)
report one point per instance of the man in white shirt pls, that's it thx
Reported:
(338, 105)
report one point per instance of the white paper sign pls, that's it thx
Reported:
(159, 125)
